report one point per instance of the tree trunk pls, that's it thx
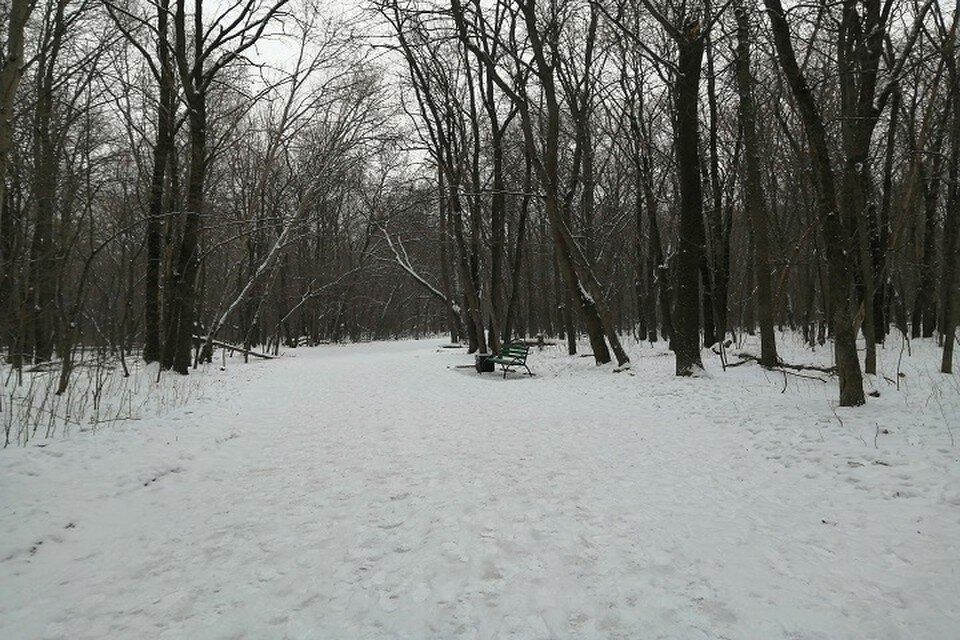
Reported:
(472, 281)
(880, 315)
(474, 311)
(925, 306)
(454, 319)
(715, 272)
(180, 316)
(753, 191)
(659, 271)
(519, 241)
(497, 241)
(641, 278)
(950, 292)
(11, 72)
(686, 335)
(43, 250)
(836, 235)
(161, 150)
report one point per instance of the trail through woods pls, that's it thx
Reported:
(377, 491)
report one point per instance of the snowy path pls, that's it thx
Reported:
(373, 491)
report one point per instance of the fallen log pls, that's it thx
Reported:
(784, 365)
(238, 349)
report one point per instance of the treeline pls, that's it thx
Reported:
(176, 171)
(689, 169)
(263, 173)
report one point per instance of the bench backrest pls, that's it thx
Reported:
(516, 350)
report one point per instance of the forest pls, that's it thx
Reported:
(178, 175)
(479, 319)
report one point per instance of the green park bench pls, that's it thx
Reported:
(511, 356)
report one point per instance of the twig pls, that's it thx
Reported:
(836, 415)
(903, 341)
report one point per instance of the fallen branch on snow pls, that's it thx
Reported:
(749, 357)
(233, 347)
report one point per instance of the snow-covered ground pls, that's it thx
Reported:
(379, 491)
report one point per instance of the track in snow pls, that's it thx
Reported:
(377, 491)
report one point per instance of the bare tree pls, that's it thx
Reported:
(343, 111)
(161, 67)
(753, 188)
(211, 48)
(950, 295)
(11, 72)
(837, 233)
(542, 45)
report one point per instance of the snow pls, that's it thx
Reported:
(384, 491)
(586, 297)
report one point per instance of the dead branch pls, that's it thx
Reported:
(786, 365)
(233, 347)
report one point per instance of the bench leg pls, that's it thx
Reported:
(506, 369)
